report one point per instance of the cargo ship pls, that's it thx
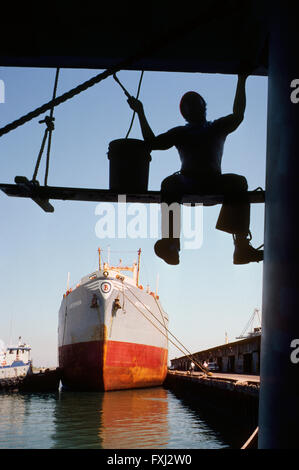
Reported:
(112, 333)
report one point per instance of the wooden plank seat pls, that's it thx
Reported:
(42, 194)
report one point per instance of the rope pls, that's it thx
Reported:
(60, 99)
(122, 87)
(166, 336)
(137, 96)
(219, 10)
(251, 441)
(49, 121)
(189, 354)
(51, 130)
(41, 150)
(129, 96)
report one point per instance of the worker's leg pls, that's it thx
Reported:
(172, 190)
(234, 217)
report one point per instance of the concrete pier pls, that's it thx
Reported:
(229, 401)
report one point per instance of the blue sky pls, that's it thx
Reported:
(206, 295)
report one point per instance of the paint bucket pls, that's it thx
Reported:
(129, 166)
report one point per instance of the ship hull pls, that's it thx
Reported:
(126, 365)
(101, 349)
(15, 370)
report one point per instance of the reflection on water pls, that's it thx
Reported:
(135, 418)
(113, 420)
(152, 418)
(26, 421)
(77, 419)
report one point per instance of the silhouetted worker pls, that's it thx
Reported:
(200, 145)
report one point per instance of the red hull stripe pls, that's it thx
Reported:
(112, 365)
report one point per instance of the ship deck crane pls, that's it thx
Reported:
(257, 330)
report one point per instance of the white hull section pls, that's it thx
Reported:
(14, 372)
(15, 362)
(89, 313)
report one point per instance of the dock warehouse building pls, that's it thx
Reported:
(242, 356)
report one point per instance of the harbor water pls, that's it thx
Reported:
(151, 418)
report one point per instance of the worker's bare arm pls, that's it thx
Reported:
(240, 97)
(160, 142)
(231, 122)
(146, 130)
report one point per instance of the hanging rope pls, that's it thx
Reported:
(49, 124)
(189, 354)
(51, 130)
(129, 96)
(49, 121)
(137, 96)
(161, 41)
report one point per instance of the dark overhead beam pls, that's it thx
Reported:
(210, 37)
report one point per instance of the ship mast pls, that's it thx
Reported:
(138, 267)
(100, 263)
(121, 268)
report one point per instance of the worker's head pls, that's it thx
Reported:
(193, 107)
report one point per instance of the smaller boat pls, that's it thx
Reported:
(15, 361)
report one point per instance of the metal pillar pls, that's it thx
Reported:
(279, 393)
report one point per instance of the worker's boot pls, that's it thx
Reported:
(168, 249)
(245, 253)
